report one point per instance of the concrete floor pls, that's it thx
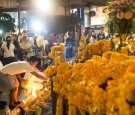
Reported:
(5, 92)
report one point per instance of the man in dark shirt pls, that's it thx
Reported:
(101, 35)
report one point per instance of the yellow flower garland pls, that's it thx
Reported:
(91, 49)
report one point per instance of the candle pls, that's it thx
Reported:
(34, 93)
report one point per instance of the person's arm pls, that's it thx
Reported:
(25, 50)
(2, 51)
(98, 37)
(19, 78)
(38, 76)
(92, 39)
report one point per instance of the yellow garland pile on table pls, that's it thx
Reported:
(97, 48)
(102, 85)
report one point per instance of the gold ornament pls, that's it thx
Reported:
(128, 15)
(120, 14)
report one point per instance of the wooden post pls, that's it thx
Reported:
(18, 6)
(65, 106)
(54, 99)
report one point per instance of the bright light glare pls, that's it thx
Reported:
(37, 26)
(44, 5)
(1, 31)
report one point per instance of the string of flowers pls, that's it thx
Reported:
(91, 49)
(59, 107)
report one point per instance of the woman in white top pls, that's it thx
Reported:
(8, 51)
(93, 37)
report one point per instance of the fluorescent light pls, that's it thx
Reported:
(1, 31)
(37, 26)
(44, 5)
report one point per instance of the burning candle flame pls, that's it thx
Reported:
(46, 89)
(24, 101)
(34, 93)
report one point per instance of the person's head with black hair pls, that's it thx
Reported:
(33, 60)
(1, 39)
(40, 53)
(102, 30)
(14, 36)
(9, 40)
(24, 33)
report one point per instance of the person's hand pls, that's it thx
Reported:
(46, 81)
(23, 80)
(24, 83)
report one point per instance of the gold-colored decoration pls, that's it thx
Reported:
(82, 44)
(124, 50)
(119, 44)
(123, 39)
(58, 55)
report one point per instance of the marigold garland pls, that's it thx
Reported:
(91, 49)
(59, 107)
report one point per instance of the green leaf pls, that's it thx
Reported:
(7, 22)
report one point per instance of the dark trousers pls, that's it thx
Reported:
(9, 60)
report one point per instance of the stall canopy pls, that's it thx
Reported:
(12, 5)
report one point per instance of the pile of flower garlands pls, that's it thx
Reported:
(91, 49)
(101, 86)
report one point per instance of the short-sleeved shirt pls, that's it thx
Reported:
(17, 68)
(8, 52)
(40, 41)
(31, 39)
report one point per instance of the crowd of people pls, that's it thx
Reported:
(20, 60)
(92, 37)
(21, 47)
